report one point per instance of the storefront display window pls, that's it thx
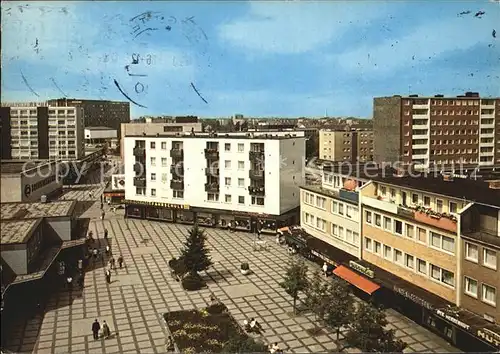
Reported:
(268, 225)
(185, 216)
(242, 224)
(224, 220)
(134, 211)
(165, 214)
(205, 219)
(152, 213)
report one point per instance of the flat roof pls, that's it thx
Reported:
(243, 135)
(20, 211)
(460, 188)
(17, 231)
(99, 128)
(18, 166)
(327, 192)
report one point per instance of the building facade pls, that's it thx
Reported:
(98, 113)
(215, 179)
(42, 132)
(343, 145)
(437, 130)
(101, 136)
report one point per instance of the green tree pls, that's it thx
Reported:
(195, 255)
(243, 344)
(340, 310)
(318, 296)
(367, 331)
(295, 280)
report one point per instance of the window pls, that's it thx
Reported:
(489, 258)
(453, 207)
(398, 227)
(368, 217)
(348, 211)
(439, 205)
(163, 162)
(241, 165)
(470, 287)
(422, 235)
(341, 232)
(410, 231)
(341, 209)
(387, 223)
(241, 199)
(355, 238)
(153, 161)
(227, 198)
(398, 256)
(140, 191)
(421, 266)
(241, 147)
(335, 230)
(377, 247)
(227, 164)
(320, 202)
(427, 201)
(241, 182)
(257, 200)
(153, 176)
(414, 198)
(320, 224)
(489, 294)
(387, 252)
(442, 242)
(152, 145)
(227, 181)
(378, 220)
(409, 261)
(335, 207)
(368, 243)
(153, 192)
(164, 145)
(442, 275)
(212, 197)
(178, 194)
(164, 177)
(348, 235)
(227, 147)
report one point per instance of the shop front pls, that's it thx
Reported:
(114, 197)
(206, 219)
(185, 217)
(135, 211)
(242, 223)
(267, 225)
(157, 211)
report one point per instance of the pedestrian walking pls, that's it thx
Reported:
(90, 195)
(258, 233)
(101, 200)
(69, 282)
(102, 205)
(120, 261)
(113, 262)
(105, 330)
(96, 327)
(108, 276)
(325, 269)
(102, 215)
(80, 265)
(105, 233)
(108, 250)
(95, 252)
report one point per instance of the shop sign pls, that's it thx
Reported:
(326, 259)
(453, 320)
(114, 194)
(157, 204)
(416, 299)
(489, 336)
(362, 269)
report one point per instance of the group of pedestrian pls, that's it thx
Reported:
(96, 327)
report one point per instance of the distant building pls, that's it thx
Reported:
(346, 145)
(437, 130)
(100, 136)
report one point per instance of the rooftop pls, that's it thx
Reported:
(333, 193)
(18, 166)
(239, 135)
(20, 211)
(470, 190)
(17, 231)
(99, 128)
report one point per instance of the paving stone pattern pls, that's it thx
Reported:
(139, 294)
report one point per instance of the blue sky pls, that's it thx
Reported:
(289, 59)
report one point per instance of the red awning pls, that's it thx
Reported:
(357, 280)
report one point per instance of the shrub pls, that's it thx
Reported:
(245, 266)
(216, 308)
(243, 344)
(192, 282)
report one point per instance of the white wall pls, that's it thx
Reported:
(280, 197)
(100, 134)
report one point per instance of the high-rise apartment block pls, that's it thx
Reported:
(430, 131)
(238, 179)
(98, 113)
(39, 131)
(345, 145)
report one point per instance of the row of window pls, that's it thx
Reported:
(336, 231)
(177, 194)
(399, 228)
(410, 262)
(227, 163)
(488, 260)
(445, 102)
(228, 198)
(488, 292)
(419, 199)
(227, 146)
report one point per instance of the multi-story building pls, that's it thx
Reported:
(245, 179)
(346, 145)
(98, 113)
(41, 131)
(437, 130)
(420, 229)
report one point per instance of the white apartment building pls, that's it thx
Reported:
(43, 132)
(249, 179)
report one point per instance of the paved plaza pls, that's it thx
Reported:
(134, 302)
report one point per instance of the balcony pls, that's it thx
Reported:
(212, 154)
(420, 116)
(257, 191)
(487, 125)
(177, 153)
(482, 236)
(256, 174)
(139, 182)
(212, 187)
(420, 106)
(420, 126)
(420, 136)
(349, 195)
(177, 184)
(419, 146)
(139, 151)
(488, 115)
(212, 171)
(380, 204)
(419, 157)
(429, 217)
(139, 168)
(177, 169)
(256, 155)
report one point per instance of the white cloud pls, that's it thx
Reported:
(425, 43)
(296, 27)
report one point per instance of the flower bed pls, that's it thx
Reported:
(202, 331)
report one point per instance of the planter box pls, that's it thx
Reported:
(441, 223)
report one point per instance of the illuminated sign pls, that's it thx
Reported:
(489, 336)
(362, 269)
(453, 320)
(157, 204)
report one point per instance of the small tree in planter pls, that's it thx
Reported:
(318, 297)
(245, 268)
(295, 281)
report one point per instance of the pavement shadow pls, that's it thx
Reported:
(83, 206)
(216, 275)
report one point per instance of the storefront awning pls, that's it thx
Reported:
(357, 280)
(73, 243)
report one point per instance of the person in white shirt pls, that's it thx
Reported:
(325, 269)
